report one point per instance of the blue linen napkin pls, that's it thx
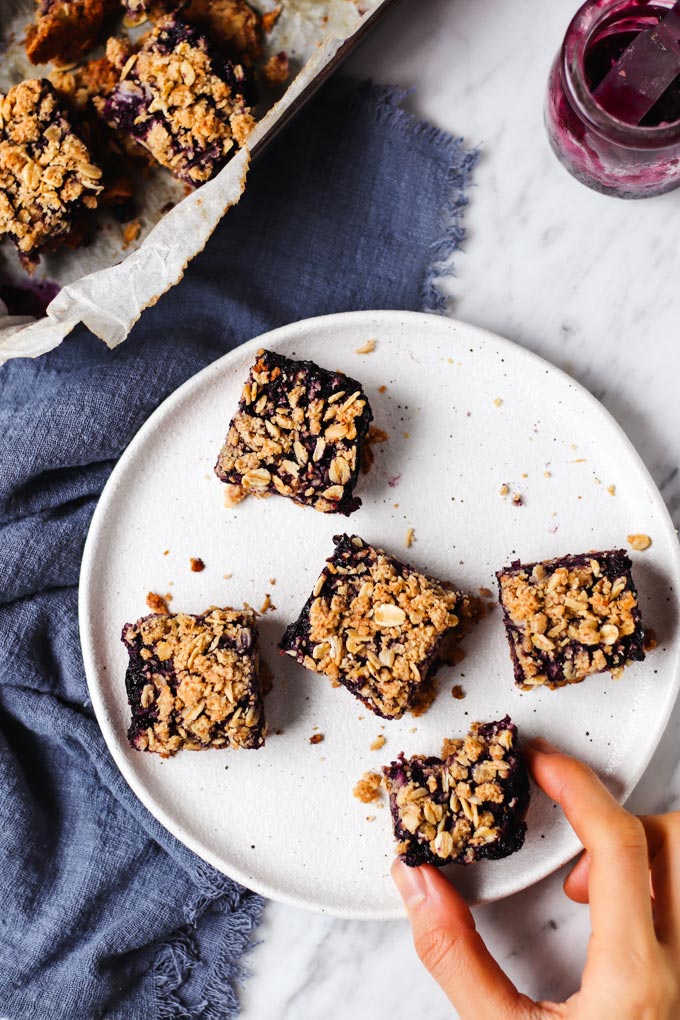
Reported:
(103, 914)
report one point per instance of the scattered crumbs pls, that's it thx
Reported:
(168, 594)
(504, 490)
(131, 232)
(450, 361)
(598, 481)
(396, 506)
(267, 604)
(486, 593)
(573, 446)
(379, 742)
(166, 552)
(382, 389)
(498, 402)
(639, 542)
(649, 641)
(366, 348)
(157, 604)
(407, 435)
(233, 495)
(196, 564)
(368, 789)
(316, 738)
(579, 460)
(449, 747)
(414, 729)
(547, 474)
(272, 580)
(370, 818)
(361, 717)
(393, 482)
(457, 692)
(375, 435)
(524, 474)
(611, 489)
(227, 576)
(278, 733)
(517, 499)
(410, 538)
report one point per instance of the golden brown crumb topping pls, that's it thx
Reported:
(447, 810)
(46, 171)
(368, 789)
(210, 694)
(572, 614)
(376, 625)
(65, 30)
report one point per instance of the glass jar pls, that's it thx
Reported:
(607, 154)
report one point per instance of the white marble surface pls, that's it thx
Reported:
(591, 284)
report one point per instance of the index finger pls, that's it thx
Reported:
(618, 881)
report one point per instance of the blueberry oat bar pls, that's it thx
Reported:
(66, 29)
(467, 807)
(298, 431)
(571, 617)
(233, 24)
(377, 626)
(193, 682)
(48, 179)
(179, 99)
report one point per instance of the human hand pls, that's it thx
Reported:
(629, 875)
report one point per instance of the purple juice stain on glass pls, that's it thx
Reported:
(604, 147)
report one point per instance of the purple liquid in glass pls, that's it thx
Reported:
(595, 144)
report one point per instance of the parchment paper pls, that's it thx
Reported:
(107, 285)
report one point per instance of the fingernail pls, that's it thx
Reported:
(410, 882)
(544, 746)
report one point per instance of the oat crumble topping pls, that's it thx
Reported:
(47, 174)
(465, 806)
(570, 617)
(377, 626)
(193, 682)
(639, 542)
(298, 432)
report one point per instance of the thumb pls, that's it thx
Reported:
(452, 950)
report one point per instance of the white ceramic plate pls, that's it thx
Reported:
(283, 820)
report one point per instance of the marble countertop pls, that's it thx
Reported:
(590, 284)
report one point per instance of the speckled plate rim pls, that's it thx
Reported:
(354, 321)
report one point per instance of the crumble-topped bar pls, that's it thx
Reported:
(48, 178)
(65, 29)
(298, 431)
(193, 682)
(571, 617)
(377, 626)
(232, 24)
(467, 807)
(180, 99)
